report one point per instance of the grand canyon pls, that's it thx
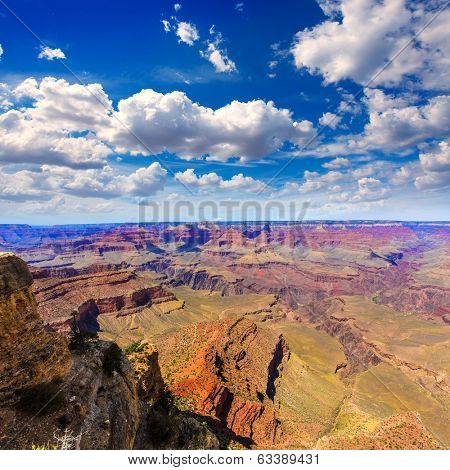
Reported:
(313, 335)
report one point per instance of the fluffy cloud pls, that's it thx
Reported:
(314, 181)
(23, 186)
(174, 123)
(1, 51)
(330, 120)
(436, 168)
(211, 182)
(433, 181)
(144, 181)
(177, 6)
(23, 140)
(370, 189)
(63, 105)
(438, 160)
(216, 54)
(104, 183)
(189, 178)
(377, 169)
(361, 36)
(48, 53)
(219, 58)
(187, 32)
(337, 163)
(406, 174)
(352, 186)
(395, 123)
(240, 182)
(77, 126)
(46, 132)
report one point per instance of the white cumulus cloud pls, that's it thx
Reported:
(212, 182)
(366, 184)
(187, 32)
(395, 123)
(46, 132)
(77, 126)
(330, 120)
(250, 130)
(337, 163)
(370, 189)
(26, 185)
(48, 53)
(436, 168)
(216, 54)
(361, 36)
(219, 58)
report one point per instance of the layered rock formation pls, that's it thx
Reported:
(83, 298)
(85, 397)
(399, 262)
(29, 355)
(230, 371)
(96, 393)
(361, 304)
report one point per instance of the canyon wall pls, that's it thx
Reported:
(89, 393)
(29, 355)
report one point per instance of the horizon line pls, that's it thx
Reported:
(239, 222)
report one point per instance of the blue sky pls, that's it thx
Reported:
(105, 104)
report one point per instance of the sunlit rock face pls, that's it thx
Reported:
(230, 370)
(28, 354)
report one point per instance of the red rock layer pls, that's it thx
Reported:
(88, 296)
(229, 370)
